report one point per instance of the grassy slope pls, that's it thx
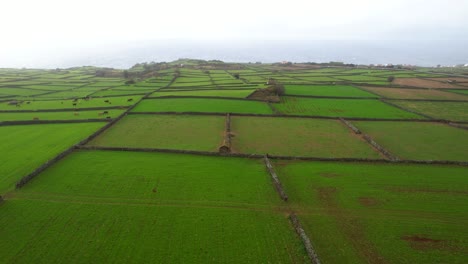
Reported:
(203, 105)
(420, 141)
(340, 108)
(297, 137)
(24, 148)
(360, 213)
(161, 131)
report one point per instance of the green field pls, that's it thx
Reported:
(214, 208)
(216, 93)
(203, 105)
(126, 233)
(298, 137)
(68, 104)
(133, 194)
(26, 147)
(379, 213)
(204, 133)
(454, 111)
(326, 90)
(340, 108)
(419, 141)
(70, 115)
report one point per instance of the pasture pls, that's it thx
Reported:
(419, 141)
(297, 137)
(203, 106)
(380, 213)
(341, 108)
(326, 90)
(26, 147)
(203, 133)
(453, 111)
(70, 115)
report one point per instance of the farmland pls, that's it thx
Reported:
(297, 137)
(169, 163)
(326, 90)
(26, 147)
(340, 108)
(410, 140)
(165, 132)
(203, 105)
(454, 111)
(373, 212)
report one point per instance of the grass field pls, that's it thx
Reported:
(297, 137)
(203, 105)
(397, 93)
(67, 104)
(26, 147)
(34, 231)
(340, 108)
(419, 141)
(380, 213)
(153, 204)
(78, 115)
(326, 90)
(203, 133)
(455, 111)
(216, 93)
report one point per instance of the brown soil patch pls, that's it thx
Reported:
(350, 226)
(264, 95)
(329, 174)
(368, 201)
(416, 82)
(422, 242)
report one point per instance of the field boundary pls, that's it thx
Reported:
(299, 116)
(381, 149)
(259, 156)
(275, 179)
(305, 239)
(226, 145)
(351, 126)
(407, 110)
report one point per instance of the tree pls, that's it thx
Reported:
(391, 78)
(125, 74)
(236, 75)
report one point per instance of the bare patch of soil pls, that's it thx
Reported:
(264, 95)
(422, 242)
(368, 201)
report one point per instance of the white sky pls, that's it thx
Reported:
(32, 27)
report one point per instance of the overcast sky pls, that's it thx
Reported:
(39, 28)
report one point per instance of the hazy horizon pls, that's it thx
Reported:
(52, 33)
